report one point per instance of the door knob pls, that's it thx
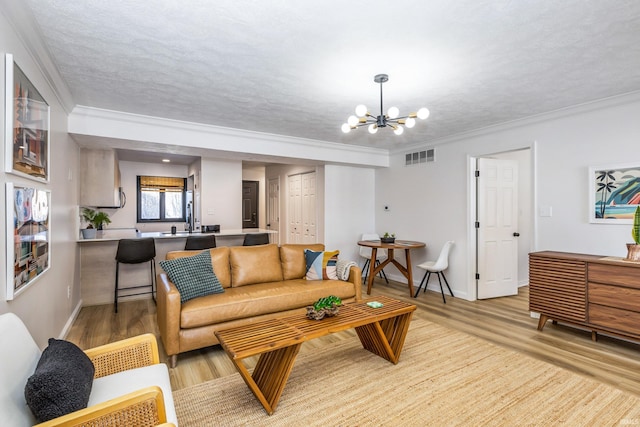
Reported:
(516, 234)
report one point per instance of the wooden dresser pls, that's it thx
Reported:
(596, 292)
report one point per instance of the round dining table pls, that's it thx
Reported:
(407, 245)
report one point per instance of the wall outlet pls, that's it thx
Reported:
(68, 292)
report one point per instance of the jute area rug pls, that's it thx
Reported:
(444, 378)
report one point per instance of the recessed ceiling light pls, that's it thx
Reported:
(166, 161)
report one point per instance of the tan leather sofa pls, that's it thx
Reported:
(260, 282)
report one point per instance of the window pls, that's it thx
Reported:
(161, 199)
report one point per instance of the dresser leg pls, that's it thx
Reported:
(541, 321)
(594, 336)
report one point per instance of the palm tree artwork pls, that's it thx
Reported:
(605, 186)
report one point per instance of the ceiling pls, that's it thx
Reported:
(299, 68)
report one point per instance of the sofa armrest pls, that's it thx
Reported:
(168, 314)
(130, 353)
(355, 277)
(144, 407)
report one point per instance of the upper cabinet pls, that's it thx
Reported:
(100, 179)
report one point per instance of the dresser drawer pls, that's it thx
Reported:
(615, 319)
(615, 296)
(614, 274)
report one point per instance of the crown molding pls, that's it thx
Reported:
(116, 124)
(28, 32)
(573, 110)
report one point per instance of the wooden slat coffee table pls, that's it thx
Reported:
(381, 331)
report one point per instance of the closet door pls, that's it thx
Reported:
(309, 208)
(295, 209)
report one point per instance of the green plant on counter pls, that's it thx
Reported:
(96, 219)
(635, 230)
(389, 236)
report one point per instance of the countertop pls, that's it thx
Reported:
(115, 235)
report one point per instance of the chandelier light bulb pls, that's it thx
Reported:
(398, 130)
(373, 128)
(346, 128)
(352, 121)
(423, 113)
(393, 112)
(410, 122)
(361, 110)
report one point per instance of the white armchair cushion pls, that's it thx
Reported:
(19, 356)
(116, 385)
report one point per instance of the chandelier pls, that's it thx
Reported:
(392, 119)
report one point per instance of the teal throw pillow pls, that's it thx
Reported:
(193, 276)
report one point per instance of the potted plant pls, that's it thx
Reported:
(327, 306)
(633, 249)
(96, 219)
(388, 238)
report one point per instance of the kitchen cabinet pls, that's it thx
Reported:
(596, 292)
(100, 179)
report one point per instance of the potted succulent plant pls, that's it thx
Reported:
(96, 219)
(388, 238)
(327, 306)
(633, 249)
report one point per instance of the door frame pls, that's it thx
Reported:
(472, 260)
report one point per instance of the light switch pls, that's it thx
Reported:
(545, 211)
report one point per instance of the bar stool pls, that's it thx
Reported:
(135, 251)
(253, 239)
(200, 242)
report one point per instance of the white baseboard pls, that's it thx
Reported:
(72, 318)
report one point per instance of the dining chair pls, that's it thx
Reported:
(200, 242)
(365, 253)
(437, 267)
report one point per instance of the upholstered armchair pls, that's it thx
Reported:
(130, 387)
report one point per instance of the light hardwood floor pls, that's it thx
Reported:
(502, 321)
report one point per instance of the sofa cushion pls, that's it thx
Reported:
(292, 259)
(263, 298)
(254, 264)
(193, 276)
(321, 265)
(61, 383)
(219, 261)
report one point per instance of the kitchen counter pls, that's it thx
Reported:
(130, 233)
(98, 264)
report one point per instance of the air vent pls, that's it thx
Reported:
(424, 156)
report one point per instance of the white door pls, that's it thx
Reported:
(273, 206)
(309, 207)
(497, 227)
(295, 209)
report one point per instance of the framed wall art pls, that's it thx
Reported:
(28, 236)
(614, 193)
(27, 126)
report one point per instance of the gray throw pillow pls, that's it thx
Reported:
(193, 276)
(61, 383)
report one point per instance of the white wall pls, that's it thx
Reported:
(221, 197)
(44, 305)
(349, 207)
(430, 202)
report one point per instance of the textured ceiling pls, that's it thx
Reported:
(299, 68)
